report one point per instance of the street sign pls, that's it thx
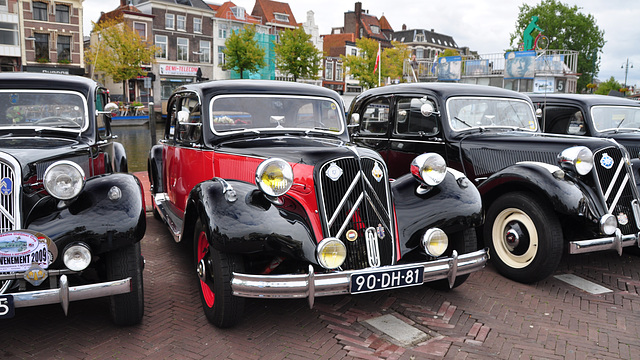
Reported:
(147, 82)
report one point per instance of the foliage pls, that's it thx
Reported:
(449, 52)
(393, 60)
(567, 28)
(296, 55)
(242, 52)
(42, 60)
(605, 87)
(361, 67)
(120, 52)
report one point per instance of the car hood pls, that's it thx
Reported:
(29, 149)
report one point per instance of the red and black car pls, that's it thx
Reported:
(71, 217)
(260, 176)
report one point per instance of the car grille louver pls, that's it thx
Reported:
(9, 194)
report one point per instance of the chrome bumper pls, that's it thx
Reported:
(65, 293)
(314, 285)
(615, 242)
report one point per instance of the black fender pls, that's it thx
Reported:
(250, 224)
(154, 169)
(120, 158)
(454, 205)
(92, 217)
(635, 166)
(565, 194)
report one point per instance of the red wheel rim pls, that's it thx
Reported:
(203, 247)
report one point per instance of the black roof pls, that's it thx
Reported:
(22, 80)
(585, 99)
(445, 90)
(430, 37)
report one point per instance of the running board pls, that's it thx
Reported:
(175, 222)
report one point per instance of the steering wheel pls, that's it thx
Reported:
(312, 122)
(56, 120)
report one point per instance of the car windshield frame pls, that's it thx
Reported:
(38, 107)
(614, 124)
(241, 120)
(460, 123)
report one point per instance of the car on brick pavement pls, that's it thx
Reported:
(71, 216)
(261, 178)
(592, 115)
(544, 194)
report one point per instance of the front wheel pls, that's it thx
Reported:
(126, 309)
(524, 237)
(214, 269)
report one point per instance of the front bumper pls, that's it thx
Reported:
(615, 242)
(314, 285)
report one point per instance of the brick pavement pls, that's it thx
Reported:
(487, 317)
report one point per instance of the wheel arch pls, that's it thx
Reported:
(153, 169)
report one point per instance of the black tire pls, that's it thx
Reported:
(524, 237)
(463, 242)
(214, 269)
(126, 309)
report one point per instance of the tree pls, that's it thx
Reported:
(566, 28)
(242, 52)
(119, 52)
(605, 87)
(361, 67)
(296, 55)
(393, 60)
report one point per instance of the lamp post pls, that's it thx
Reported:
(626, 71)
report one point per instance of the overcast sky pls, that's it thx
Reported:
(484, 26)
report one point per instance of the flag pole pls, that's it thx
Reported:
(380, 64)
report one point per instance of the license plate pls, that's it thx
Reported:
(6, 307)
(389, 279)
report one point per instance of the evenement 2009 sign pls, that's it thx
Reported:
(19, 250)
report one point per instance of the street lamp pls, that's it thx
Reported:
(626, 71)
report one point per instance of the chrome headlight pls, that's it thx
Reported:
(77, 256)
(576, 158)
(64, 180)
(331, 253)
(608, 224)
(430, 168)
(274, 177)
(435, 242)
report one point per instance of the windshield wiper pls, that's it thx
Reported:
(462, 121)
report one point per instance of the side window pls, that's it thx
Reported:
(172, 113)
(189, 120)
(102, 124)
(564, 120)
(409, 118)
(375, 119)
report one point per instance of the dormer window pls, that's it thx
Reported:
(375, 29)
(281, 17)
(238, 12)
(420, 37)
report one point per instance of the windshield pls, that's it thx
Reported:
(238, 113)
(615, 117)
(479, 112)
(51, 109)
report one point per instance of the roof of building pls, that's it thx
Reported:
(430, 37)
(334, 44)
(225, 11)
(120, 11)
(267, 10)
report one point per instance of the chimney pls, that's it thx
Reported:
(123, 3)
(404, 27)
(358, 17)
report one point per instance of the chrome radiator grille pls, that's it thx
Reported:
(356, 208)
(9, 193)
(615, 180)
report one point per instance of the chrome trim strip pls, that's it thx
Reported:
(346, 221)
(613, 181)
(620, 190)
(344, 199)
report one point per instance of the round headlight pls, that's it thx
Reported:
(429, 168)
(608, 224)
(331, 253)
(274, 177)
(577, 158)
(77, 256)
(64, 180)
(435, 242)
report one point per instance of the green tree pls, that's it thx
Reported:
(605, 87)
(119, 51)
(296, 55)
(361, 67)
(393, 60)
(242, 52)
(566, 28)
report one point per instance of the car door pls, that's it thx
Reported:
(563, 119)
(373, 129)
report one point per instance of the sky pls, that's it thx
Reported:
(482, 25)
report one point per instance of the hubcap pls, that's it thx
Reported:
(515, 238)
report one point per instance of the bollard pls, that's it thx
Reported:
(152, 124)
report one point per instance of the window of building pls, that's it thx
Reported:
(42, 46)
(221, 60)
(64, 47)
(338, 71)
(169, 21)
(420, 37)
(197, 25)
(222, 31)
(361, 32)
(39, 11)
(419, 53)
(161, 43)
(183, 49)
(281, 17)
(3, 5)
(375, 29)
(205, 51)
(328, 70)
(238, 12)
(141, 29)
(8, 33)
(62, 13)
(181, 23)
(354, 52)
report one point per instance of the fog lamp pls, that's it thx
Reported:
(608, 224)
(435, 242)
(331, 253)
(77, 256)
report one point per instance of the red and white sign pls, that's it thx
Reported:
(178, 70)
(18, 250)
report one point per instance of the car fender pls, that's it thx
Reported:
(241, 219)
(120, 161)
(154, 168)
(454, 205)
(567, 196)
(93, 217)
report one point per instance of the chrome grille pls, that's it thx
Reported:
(358, 200)
(9, 193)
(614, 177)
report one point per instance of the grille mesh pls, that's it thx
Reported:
(7, 199)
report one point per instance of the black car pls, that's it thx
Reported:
(261, 179)
(592, 115)
(71, 217)
(543, 194)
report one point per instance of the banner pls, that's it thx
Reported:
(520, 65)
(449, 68)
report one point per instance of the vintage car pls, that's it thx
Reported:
(592, 115)
(544, 194)
(260, 178)
(71, 217)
